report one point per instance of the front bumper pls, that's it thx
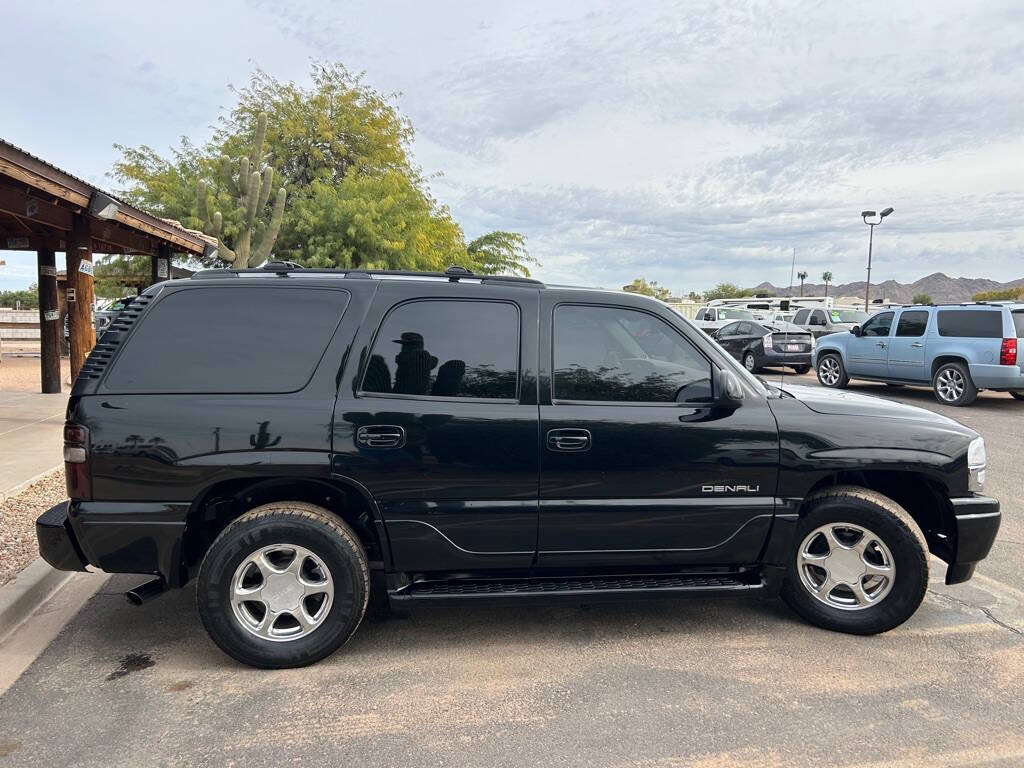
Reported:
(57, 543)
(977, 523)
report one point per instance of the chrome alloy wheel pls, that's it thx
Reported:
(749, 363)
(281, 592)
(828, 370)
(845, 566)
(950, 385)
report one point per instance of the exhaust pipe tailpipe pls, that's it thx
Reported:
(146, 592)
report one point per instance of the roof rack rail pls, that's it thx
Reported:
(453, 274)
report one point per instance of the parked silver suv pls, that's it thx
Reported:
(821, 322)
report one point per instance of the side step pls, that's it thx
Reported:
(615, 587)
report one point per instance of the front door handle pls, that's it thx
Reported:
(917, 344)
(881, 344)
(569, 440)
(380, 437)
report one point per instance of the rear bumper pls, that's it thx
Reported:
(57, 543)
(977, 523)
(997, 376)
(774, 357)
(118, 537)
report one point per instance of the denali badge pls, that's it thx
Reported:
(730, 488)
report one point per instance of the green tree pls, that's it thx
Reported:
(26, 299)
(1007, 294)
(642, 286)
(826, 278)
(727, 291)
(500, 253)
(922, 298)
(341, 152)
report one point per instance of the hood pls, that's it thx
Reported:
(838, 403)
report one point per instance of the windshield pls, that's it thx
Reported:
(855, 316)
(734, 314)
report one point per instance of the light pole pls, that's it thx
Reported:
(871, 239)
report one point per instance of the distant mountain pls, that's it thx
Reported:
(942, 288)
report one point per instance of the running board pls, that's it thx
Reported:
(576, 588)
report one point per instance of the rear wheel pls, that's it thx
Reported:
(860, 564)
(953, 385)
(1017, 395)
(750, 362)
(831, 372)
(284, 585)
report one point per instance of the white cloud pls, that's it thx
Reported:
(686, 143)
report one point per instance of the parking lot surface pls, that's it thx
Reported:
(704, 682)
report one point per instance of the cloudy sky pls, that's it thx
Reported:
(690, 143)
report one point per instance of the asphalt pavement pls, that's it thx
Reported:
(702, 682)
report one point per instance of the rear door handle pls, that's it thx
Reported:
(569, 440)
(380, 437)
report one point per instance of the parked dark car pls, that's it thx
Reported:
(761, 344)
(293, 438)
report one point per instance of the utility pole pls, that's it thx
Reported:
(871, 239)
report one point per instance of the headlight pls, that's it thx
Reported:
(976, 460)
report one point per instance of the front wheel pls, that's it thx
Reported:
(831, 372)
(953, 385)
(284, 585)
(860, 564)
(750, 362)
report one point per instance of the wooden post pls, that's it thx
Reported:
(160, 264)
(50, 327)
(79, 253)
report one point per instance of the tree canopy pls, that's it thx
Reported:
(922, 298)
(341, 151)
(1006, 294)
(642, 286)
(727, 291)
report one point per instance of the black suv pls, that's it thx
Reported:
(292, 436)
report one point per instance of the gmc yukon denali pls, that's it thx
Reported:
(290, 438)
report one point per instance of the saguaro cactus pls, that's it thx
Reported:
(250, 189)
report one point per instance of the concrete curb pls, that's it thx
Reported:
(22, 595)
(16, 489)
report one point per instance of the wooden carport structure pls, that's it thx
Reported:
(45, 209)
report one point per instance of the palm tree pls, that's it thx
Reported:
(803, 276)
(827, 277)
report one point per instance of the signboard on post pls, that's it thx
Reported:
(71, 295)
(85, 267)
(162, 268)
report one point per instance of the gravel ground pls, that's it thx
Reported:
(21, 374)
(17, 522)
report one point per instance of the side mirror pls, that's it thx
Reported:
(728, 390)
(855, 330)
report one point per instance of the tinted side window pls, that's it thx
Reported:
(818, 317)
(624, 355)
(447, 349)
(744, 329)
(801, 317)
(971, 323)
(219, 340)
(912, 323)
(1018, 323)
(879, 325)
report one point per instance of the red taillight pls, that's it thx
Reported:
(1008, 352)
(76, 462)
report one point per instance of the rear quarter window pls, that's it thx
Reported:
(218, 340)
(971, 323)
(1018, 322)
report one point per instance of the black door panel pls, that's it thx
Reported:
(661, 482)
(454, 396)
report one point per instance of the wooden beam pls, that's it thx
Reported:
(28, 208)
(50, 326)
(19, 241)
(80, 330)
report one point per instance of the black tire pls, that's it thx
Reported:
(957, 373)
(894, 527)
(298, 524)
(1017, 395)
(750, 363)
(842, 379)
(800, 370)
